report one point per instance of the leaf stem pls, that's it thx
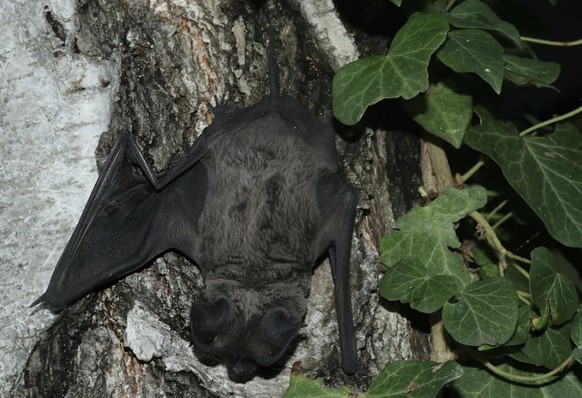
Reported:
(494, 242)
(450, 5)
(502, 220)
(523, 299)
(550, 121)
(551, 42)
(462, 179)
(526, 379)
(521, 270)
(541, 321)
(496, 209)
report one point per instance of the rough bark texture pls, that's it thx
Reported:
(175, 58)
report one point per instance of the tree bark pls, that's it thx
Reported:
(174, 59)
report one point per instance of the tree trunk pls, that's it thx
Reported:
(172, 60)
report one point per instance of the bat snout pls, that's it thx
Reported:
(242, 371)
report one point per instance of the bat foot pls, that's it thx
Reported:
(218, 105)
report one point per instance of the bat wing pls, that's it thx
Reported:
(337, 206)
(130, 218)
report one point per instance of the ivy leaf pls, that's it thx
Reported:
(478, 382)
(427, 233)
(476, 14)
(443, 112)
(302, 387)
(474, 51)
(576, 331)
(516, 277)
(487, 266)
(410, 282)
(548, 287)
(521, 357)
(577, 354)
(550, 348)
(410, 378)
(401, 73)
(489, 271)
(546, 171)
(530, 72)
(521, 334)
(422, 379)
(486, 313)
(397, 3)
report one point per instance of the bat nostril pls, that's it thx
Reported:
(238, 367)
(243, 370)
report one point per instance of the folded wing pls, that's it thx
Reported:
(131, 217)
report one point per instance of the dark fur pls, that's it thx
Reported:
(258, 236)
(256, 201)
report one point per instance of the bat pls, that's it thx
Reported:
(254, 203)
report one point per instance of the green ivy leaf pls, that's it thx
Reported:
(521, 357)
(520, 281)
(486, 313)
(443, 112)
(550, 348)
(548, 287)
(476, 14)
(478, 382)
(397, 3)
(521, 334)
(576, 331)
(546, 171)
(530, 72)
(401, 73)
(474, 51)
(422, 379)
(577, 354)
(482, 257)
(410, 378)
(302, 387)
(489, 271)
(427, 233)
(410, 282)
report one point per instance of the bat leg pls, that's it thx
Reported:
(337, 204)
(129, 220)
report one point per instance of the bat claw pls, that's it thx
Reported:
(218, 106)
(40, 304)
(40, 300)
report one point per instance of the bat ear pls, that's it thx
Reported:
(279, 327)
(209, 318)
(278, 330)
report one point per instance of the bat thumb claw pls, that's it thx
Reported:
(40, 300)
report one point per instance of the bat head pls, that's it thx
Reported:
(243, 342)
